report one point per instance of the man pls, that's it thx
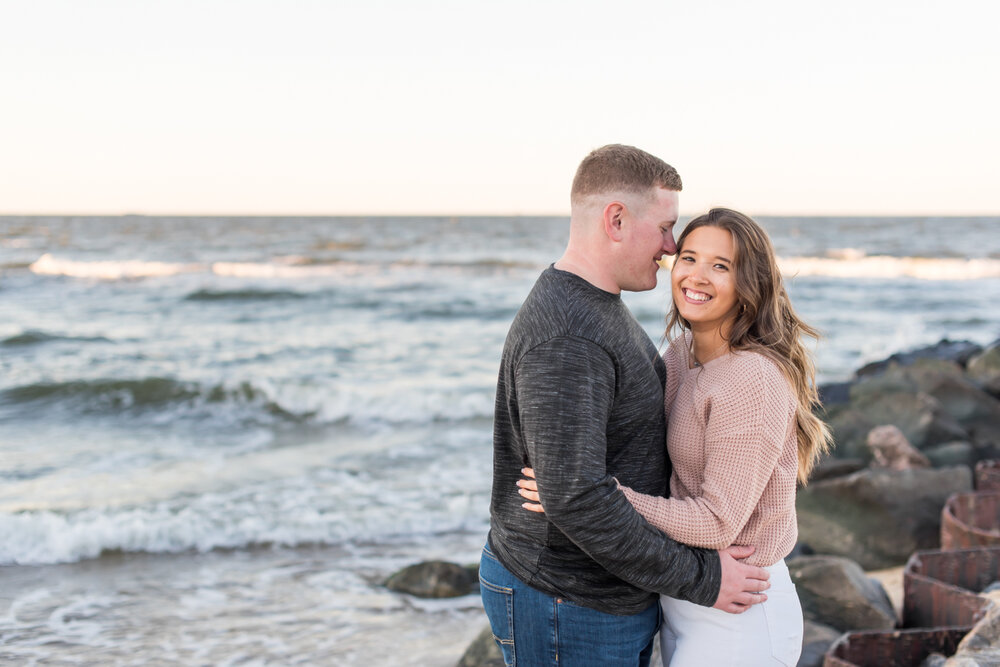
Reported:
(580, 400)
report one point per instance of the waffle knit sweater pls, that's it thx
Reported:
(732, 440)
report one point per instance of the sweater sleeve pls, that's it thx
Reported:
(744, 437)
(564, 412)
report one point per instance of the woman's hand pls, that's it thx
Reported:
(528, 488)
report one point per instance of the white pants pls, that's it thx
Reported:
(769, 633)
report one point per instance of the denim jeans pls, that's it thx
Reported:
(534, 629)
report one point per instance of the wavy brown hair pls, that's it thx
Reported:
(766, 323)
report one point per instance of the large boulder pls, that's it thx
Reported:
(835, 592)
(958, 453)
(981, 646)
(984, 369)
(878, 517)
(975, 410)
(435, 579)
(892, 399)
(850, 429)
(957, 351)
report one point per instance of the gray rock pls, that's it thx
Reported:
(829, 467)
(975, 410)
(878, 517)
(981, 646)
(435, 579)
(816, 641)
(984, 370)
(482, 652)
(850, 429)
(934, 660)
(985, 634)
(836, 592)
(958, 453)
(959, 352)
(921, 418)
(834, 393)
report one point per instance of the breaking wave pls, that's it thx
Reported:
(160, 400)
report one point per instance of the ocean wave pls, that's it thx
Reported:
(289, 267)
(34, 337)
(324, 507)
(857, 265)
(109, 269)
(115, 396)
(244, 295)
(162, 400)
(290, 270)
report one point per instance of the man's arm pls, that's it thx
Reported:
(742, 585)
(565, 394)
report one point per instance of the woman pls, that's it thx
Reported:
(741, 432)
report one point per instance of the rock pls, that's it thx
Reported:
(975, 410)
(890, 449)
(482, 652)
(816, 641)
(828, 468)
(836, 592)
(921, 418)
(984, 370)
(850, 429)
(957, 402)
(878, 517)
(934, 660)
(982, 644)
(956, 453)
(834, 393)
(959, 352)
(435, 579)
(991, 659)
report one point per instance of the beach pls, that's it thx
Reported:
(218, 436)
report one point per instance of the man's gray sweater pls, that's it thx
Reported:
(580, 400)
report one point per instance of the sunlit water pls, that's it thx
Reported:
(218, 436)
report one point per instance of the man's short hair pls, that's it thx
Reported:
(619, 168)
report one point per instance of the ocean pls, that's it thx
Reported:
(218, 436)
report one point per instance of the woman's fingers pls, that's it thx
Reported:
(529, 494)
(528, 488)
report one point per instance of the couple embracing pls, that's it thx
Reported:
(634, 493)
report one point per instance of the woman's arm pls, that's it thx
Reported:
(744, 437)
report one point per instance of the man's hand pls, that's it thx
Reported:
(742, 585)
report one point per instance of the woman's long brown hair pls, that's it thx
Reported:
(766, 323)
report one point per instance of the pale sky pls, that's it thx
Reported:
(479, 107)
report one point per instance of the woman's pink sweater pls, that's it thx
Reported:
(732, 440)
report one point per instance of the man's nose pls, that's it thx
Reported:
(669, 245)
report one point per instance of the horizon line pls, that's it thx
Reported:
(189, 214)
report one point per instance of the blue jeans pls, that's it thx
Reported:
(534, 629)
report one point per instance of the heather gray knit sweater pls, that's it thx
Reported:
(580, 399)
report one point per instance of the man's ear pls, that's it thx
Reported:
(613, 213)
